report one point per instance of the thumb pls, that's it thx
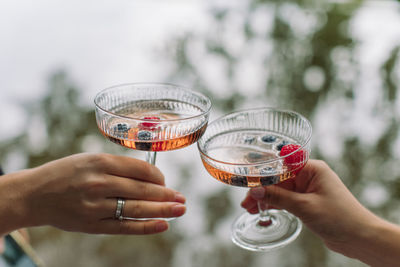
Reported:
(278, 197)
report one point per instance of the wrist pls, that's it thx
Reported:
(13, 204)
(377, 244)
(30, 180)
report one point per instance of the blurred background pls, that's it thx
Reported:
(336, 62)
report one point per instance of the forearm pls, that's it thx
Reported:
(378, 245)
(13, 208)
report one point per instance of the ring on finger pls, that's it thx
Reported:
(120, 209)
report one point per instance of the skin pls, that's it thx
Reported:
(319, 198)
(78, 193)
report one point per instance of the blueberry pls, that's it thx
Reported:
(268, 138)
(267, 171)
(249, 139)
(239, 180)
(269, 180)
(284, 143)
(144, 135)
(121, 127)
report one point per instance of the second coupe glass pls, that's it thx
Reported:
(258, 147)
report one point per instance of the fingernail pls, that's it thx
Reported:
(178, 210)
(257, 193)
(161, 226)
(180, 198)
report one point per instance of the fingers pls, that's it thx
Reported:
(131, 168)
(250, 204)
(311, 169)
(276, 196)
(139, 190)
(296, 194)
(144, 209)
(129, 227)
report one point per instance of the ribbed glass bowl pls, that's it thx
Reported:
(152, 116)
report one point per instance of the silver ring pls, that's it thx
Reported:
(120, 209)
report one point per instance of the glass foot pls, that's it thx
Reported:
(249, 234)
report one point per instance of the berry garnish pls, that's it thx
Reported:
(268, 180)
(121, 127)
(268, 138)
(284, 143)
(239, 180)
(295, 161)
(149, 125)
(144, 135)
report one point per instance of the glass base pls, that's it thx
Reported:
(249, 234)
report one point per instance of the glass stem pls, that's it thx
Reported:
(151, 157)
(264, 218)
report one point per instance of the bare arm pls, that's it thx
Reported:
(12, 207)
(378, 245)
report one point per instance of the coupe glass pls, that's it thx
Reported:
(245, 149)
(152, 116)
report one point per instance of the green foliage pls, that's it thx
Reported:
(388, 71)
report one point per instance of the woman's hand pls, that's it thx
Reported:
(79, 193)
(319, 198)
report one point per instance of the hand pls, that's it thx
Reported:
(319, 198)
(79, 193)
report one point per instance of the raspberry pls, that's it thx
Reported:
(295, 161)
(149, 125)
